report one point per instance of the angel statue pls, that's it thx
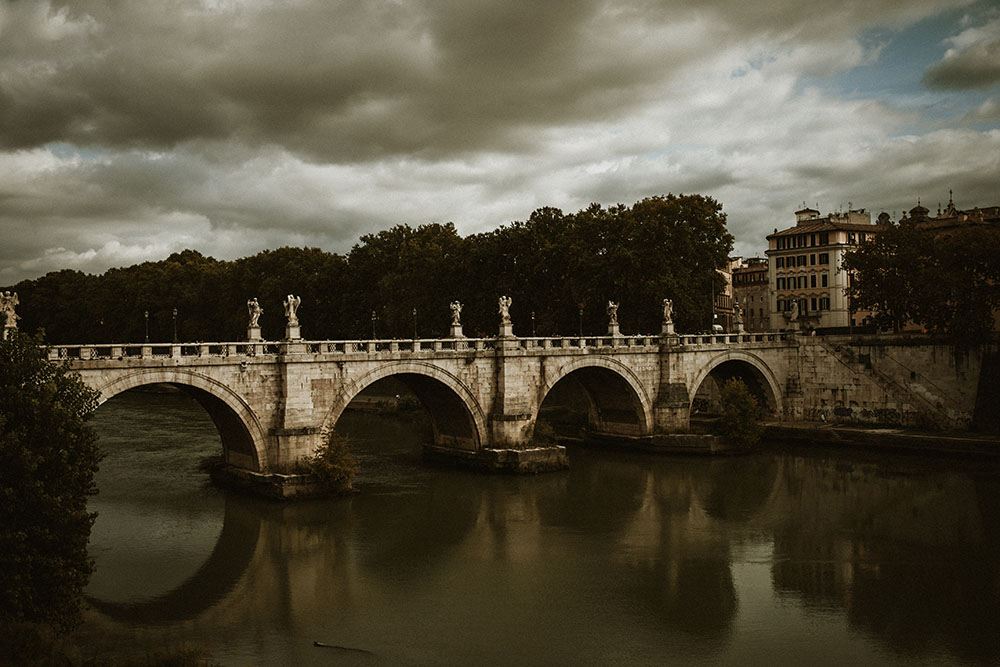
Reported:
(255, 312)
(291, 305)
(504, 303)
(612, 313)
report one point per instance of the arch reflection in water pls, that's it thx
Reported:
(212, 582)
(625, 558)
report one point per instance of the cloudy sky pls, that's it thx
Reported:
(131, 129)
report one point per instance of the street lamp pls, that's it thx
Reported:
(175, 325)
(532, 324)
(414, 324)
(581, 321)
(374, 317)
(146, 315)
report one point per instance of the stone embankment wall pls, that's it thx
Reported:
(892, 380)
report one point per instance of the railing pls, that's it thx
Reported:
(163, 351)
(733, 338)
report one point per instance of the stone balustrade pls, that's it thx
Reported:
(84, 352)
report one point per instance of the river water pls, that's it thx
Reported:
(782, 557)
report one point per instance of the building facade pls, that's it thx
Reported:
(751, 291)
(806, 288)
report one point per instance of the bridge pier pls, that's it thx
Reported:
(672, 409)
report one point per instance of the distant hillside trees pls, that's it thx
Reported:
(553, 265)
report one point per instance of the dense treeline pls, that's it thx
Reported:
(944, 281)
(552, 265)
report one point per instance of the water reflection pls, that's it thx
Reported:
(625, 558)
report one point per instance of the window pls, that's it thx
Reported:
(824, 238)
(824, 303)
(781, 305)
(812, 260)
(823, 280)
(812, 280)
(781, 283)
(802, 260)
(781, 262)
(802, 283)
(813, 303)
(824, 258)
(850, 237)
(812, 239)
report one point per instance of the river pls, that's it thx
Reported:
(781, 557)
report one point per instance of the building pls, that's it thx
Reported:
(804, 269)
(751, 291)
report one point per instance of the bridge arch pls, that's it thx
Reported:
(614, 392)
(244, 440)
(753, 370)
(456, 417)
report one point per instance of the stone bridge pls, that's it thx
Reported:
(274, 402)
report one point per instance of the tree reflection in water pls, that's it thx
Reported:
(624, 558)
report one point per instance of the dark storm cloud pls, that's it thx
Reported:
(973, 61)
(129, 130)
(341, 81)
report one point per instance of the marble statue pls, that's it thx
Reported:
(291, 305)
(8, 302)
(612, 313)
(668, 311)
(793, 312)
(738, 314)
(504, 303)
(255, 312)
(456, 313)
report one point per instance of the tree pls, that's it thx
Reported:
(739, 420)
(49, 456)
(947, 282)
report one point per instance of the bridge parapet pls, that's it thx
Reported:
(86, 352)
(741, 339)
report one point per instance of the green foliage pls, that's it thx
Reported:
(49, 456)
(545, 434)
(332, 464)
(739, 421)
(947, 282)
(553, 265)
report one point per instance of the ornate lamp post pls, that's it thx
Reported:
(374, 317)
(581, 321)
(414, 324)
(146, 316)
(175, 325)
(532, 324)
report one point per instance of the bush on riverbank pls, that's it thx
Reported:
(332, 464)
(739, 421)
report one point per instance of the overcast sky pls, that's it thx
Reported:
(130, 129)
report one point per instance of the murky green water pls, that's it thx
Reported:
(819, 559)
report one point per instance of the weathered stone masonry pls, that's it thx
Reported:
(274, 402)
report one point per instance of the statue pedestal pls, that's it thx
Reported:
(253, 334)
(456, 331)
(667, 329)
(292, 331)
(506, 330)
(613, 330)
